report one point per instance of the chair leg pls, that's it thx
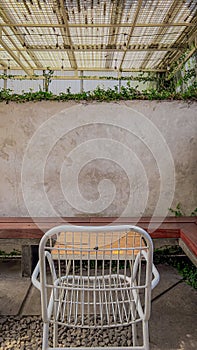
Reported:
(55, 326)
(55, 334)
(133, 327)
(134, 334)
(45, 342)
(146, 335)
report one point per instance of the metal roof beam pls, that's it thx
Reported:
(66, 33)
(18, 50)
(105, 49)
(172, 12)
(95, 70)
(116, 16)
(60, 77)
(15, 57)
(60, 16)
(96, 25)
(19, 37)
(187, 37)
(131, 32)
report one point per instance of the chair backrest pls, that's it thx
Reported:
(92, 268)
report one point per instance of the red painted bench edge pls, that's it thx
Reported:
(172, 227)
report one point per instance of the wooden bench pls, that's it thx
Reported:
(30, 230)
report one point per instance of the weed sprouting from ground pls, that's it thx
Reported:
(175, 257)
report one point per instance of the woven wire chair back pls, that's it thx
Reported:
(101, 276)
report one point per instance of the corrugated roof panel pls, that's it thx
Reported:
(88, 28)
(156, 59)
(153, 11)
(7, 33)
(133, 60)
(26, 11)
(143, 36)
(51, 59)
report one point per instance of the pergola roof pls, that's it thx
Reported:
(100, 35)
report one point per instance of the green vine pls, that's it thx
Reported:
(173, 256)
(47, 78)
(165, 87)
(99, 94)
(194, 212)
(21, 77)
(49, 74)
(178, 62)
(189, 74)
(13, 253)
(165, 84)
(178, 211)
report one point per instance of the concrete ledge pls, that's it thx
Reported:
(188, 252)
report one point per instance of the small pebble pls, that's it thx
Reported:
(25, 333)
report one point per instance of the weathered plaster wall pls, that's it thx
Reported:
(55, 156)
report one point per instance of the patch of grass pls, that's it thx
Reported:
(189, 272)
(13, 253)
(175, 257)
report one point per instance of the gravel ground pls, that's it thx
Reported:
(25, 333)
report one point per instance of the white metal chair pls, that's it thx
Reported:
(96, 278)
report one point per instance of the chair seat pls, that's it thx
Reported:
(107, 300)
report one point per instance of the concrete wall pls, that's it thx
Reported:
(108, 159)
